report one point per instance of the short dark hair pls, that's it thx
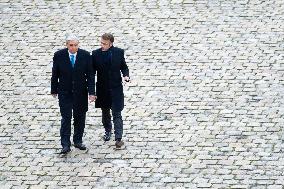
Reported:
(108, 36)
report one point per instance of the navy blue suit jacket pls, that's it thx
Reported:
(77, 81)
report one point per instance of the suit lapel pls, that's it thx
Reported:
(67, 59)
(77, 58)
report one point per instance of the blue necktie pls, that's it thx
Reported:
(72, 59)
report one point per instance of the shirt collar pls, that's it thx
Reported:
(72, 54)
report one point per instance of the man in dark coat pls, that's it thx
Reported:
(72, 79)
(110, 66)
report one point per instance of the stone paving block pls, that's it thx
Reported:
(204, 108)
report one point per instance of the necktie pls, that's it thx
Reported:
(72, 59)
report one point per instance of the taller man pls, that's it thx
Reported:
(72, 79)
(110, 66)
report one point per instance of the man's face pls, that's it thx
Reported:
(105, 44)
(72, 46)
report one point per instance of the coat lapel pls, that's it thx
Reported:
(77, 58)
(67, 59)
(111, 55)
(99, 58)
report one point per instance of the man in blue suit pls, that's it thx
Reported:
(72, 80)
(110, 66)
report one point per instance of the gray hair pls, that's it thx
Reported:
(71, 37)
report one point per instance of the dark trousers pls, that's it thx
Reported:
(66, 107)
(117, 121)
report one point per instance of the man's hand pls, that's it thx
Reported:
(92, 98)
(126, 79)
(54, 95)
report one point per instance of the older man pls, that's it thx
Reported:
(72, 79)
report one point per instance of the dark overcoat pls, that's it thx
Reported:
(76, 82)
(109, 88)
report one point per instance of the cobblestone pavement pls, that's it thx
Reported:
(204, 109)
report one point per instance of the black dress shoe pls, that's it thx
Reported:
(80, 146)
(107, 136)
(119, 143)
(65, 150)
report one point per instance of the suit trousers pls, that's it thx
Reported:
(66, 107)
(117, 121)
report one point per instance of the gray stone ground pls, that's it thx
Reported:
(204, 109)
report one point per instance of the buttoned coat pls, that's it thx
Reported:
(77, 81)
(109, 88)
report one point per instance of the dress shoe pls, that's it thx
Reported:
(119, 143)
(65, 150)
(107, 136)
(80, 146)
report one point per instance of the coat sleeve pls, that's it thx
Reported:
(93, 61)
(55, 75)
(91, 76)
(123, 66)
(93, 64)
